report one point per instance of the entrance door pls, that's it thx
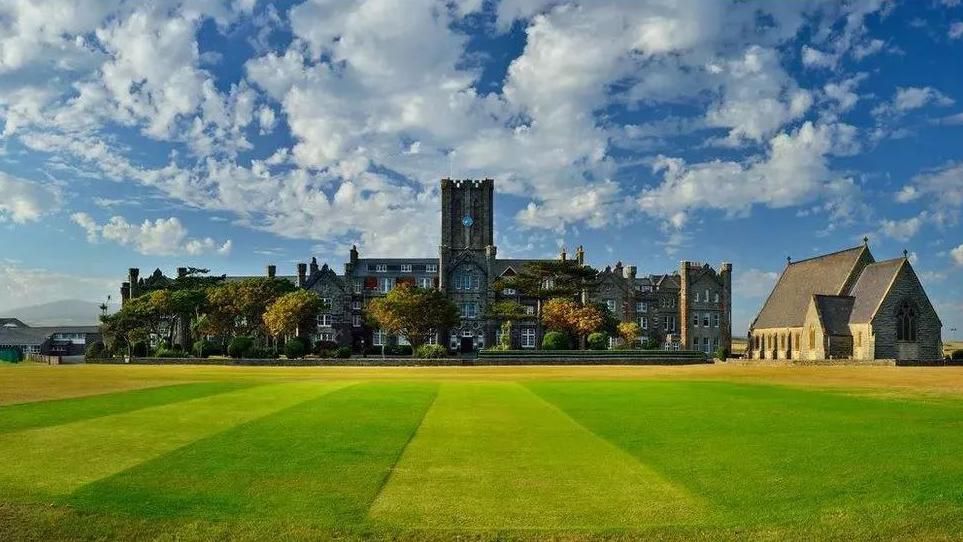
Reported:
(467, 345)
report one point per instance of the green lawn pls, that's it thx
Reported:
(382, 453)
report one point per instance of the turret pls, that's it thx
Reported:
(272, 271)
(302, 274)
(314, 265)
(580, 255)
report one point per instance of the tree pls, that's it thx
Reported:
(290, 311)
(127, 326)
(565, 315)
(413, 313)
(237, 307)
(630, 332)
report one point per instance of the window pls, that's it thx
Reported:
(469, 310)
(403, 341)
(642, 307)
(325, 320)
(610, 303)
(509, 291)
(782, 342)
(695, 343)
(548, 284)
(707, 295)
(467, 333)
(425, 283)
(386, 284)
(326, 336)
(705, 345)
(859, 339)
(668, 324)
(528, 337)
(716, 297)
(465, 280)
(406, 268)
(812, 338)
(697, 297)
(644, 322)
(378, 338)
(357, 286)
(431, 268)
(695, 319)
(356, 305)
(529, 310)
(356, 320)
(326, 302)
(715, 319)
(906, 323)
(381, 268)
(705, 319)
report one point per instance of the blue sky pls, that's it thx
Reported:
(233, 134)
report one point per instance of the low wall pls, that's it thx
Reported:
(591, 357)
(848, 362)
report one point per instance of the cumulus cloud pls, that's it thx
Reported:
(910, 98)
(943, 186)
(24, 201)
(957, 255)
(161, 237)
(956, 30)
(903, 230)
(754, 283)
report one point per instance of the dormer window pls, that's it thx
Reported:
(431, 268)
(406, 268)
(381, 268)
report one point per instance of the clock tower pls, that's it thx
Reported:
(467, 255)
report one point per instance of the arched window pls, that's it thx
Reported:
(906, 323)
(812, 338)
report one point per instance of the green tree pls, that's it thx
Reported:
(413, 313)
(129, 325)
(237, 308)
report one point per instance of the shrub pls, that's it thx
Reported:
(722, 354)
(957, 354)
(398, 350)
(555, 340)
(96, 350)
(240, 347)
(295, 348)
(260, 353)
(342, 352)
(162, 352)
(324, 348)
(432, 351)
(204, 349)
(650, 344)
(598, 341)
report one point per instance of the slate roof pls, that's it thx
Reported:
(35, 336)
(502, 265)
(834, 312)
(871, 287)
(238, 278)
(789, 300)
(11, 322)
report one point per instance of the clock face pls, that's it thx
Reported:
(467, 221)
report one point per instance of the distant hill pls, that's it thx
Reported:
(67, 312)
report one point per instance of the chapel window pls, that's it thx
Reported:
(906, 323)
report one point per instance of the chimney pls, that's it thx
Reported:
(563, 255)
(272, 271)
(630, 272)
(302, 271)
(181, 272)
(133, 278)
(314, 265)
(580, 255)
(124, 293)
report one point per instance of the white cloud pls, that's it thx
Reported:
(943, 186)
(910, 98)
(754, 283)
(956, 30)
(957, 255)
(903, 230)
(162, 237)
(24, 201)
(795, 170)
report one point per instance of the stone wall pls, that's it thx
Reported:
(929, 345)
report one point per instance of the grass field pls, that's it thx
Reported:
(706, 452)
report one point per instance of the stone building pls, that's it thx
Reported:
(847, 305)
(688, 309)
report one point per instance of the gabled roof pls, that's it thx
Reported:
(834, 311)
(825, 275)
(11, 322)
(871, 287)
(515, 264)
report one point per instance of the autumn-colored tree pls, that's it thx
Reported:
(236, 308)
(630, 332)
(290, 311)
(413, 313)
(561, 314)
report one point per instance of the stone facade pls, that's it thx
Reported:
(687, 309)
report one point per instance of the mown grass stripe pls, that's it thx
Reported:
(320, 463)
(57, 460)
(60, 411)
(495, 456)
(767, 455)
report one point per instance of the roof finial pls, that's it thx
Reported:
(788, 260)
(905, 254)
(866, 240)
